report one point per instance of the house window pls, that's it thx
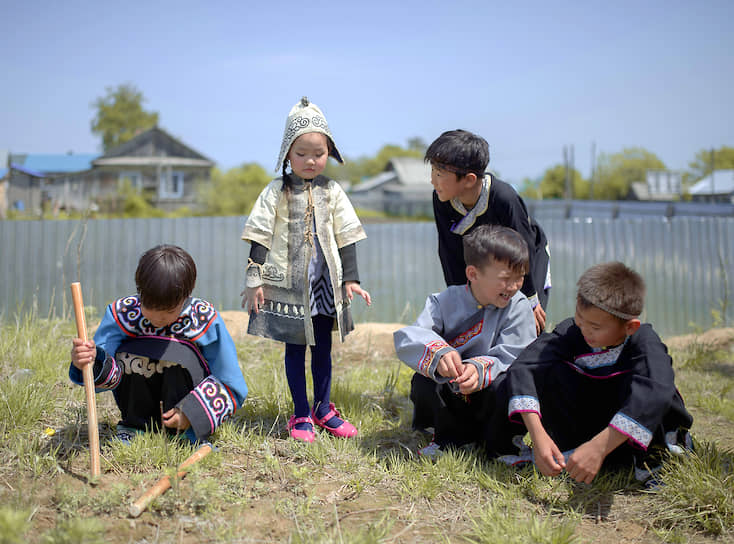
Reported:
(171, 184)
(135, 179)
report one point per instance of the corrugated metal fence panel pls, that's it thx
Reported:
(688, 263)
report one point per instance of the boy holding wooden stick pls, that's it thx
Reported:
(162, 346)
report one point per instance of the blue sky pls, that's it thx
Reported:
(530, 78)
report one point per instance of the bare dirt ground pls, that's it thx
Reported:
(377, 337)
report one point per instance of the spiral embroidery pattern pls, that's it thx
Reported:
(215, 399)
(195, 318)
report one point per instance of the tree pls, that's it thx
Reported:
(617, 172)
(120, 115)
(233, 192)
(553, 183)
(723, 159)
(358, 169)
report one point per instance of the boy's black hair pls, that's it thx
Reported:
(165, 277)
(498, 243)
(614, 288)
(459, 151)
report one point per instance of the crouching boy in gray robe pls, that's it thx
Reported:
(466, 337)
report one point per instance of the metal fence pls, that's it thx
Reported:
(688, 264)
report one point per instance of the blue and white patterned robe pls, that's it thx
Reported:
(199, 332)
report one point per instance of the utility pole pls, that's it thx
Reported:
(566, 181)
(593, 171)
(713, 194)
(571, 173)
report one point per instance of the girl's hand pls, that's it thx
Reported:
(82, 353)
(353, 287)
(175, 419)
(253, 298)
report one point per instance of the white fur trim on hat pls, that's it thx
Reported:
(303, 118)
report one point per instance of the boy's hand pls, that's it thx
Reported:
(450, 365)
(176, 419)
(586, 460)
(253, 298)
(539, 314)
(548, 458)
(82, 353)
(352, 288)
(468, 380)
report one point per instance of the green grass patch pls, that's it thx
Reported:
(262, 486)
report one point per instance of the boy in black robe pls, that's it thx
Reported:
(465, 197)
(598, 389)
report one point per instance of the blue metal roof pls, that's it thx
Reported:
(34, 173)
(51, 163)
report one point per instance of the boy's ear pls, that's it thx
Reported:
(631, 326)
(471, 178)
(471, 272)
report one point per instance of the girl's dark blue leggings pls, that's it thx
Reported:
(295, 367)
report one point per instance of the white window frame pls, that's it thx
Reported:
(173, 187)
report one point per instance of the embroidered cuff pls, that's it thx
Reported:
(207, 406)
(108, 375)
(632, 429)
(484, 366)
(428, 363)
(253, 275)
(522, 403)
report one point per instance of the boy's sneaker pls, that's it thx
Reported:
(125, 434)
(431, 451)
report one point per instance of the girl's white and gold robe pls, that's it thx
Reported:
(281, 221)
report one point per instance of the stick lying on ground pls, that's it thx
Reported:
(81, 331)
(164, 484)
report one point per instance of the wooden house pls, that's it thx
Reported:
(157, 163)
(403, 188)
(165, 169)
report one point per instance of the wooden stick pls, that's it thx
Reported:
(164, 484)
(93, 430)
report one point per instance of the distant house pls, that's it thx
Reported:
(153, 161)
(716, 187)
(403, 188)
(34, 179)
(660, 185)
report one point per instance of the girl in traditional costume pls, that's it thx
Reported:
(302, 271)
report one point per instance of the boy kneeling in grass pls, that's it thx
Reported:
(165, 355)
(602, 383)
(466, 337)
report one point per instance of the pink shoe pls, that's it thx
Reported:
(345, 430)
(303, 436)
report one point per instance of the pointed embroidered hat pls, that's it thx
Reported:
(303, 118)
